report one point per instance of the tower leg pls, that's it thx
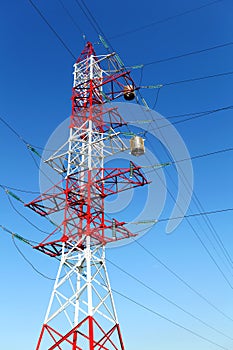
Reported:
(81, 289)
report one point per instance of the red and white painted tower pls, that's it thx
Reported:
(81, 312)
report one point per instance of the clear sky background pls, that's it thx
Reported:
(36, 81)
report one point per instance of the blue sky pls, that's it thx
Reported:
(36, 80)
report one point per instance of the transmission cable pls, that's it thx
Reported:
(196, 157)
(29, 262)
(170, 320)
(209, 111)
(85, 13)
(24, 217)
(186, 120)
(188, 54)
(52, 29)
(29, 148)
(72, 19)
(178, 277)
(18, 189)
(216, 211)
(10, 193)
(164, 20)
(159, 86)
(188, 114)
(199, 78)
(93, 22)
(156, 98)
(167, 299)
(29, 242)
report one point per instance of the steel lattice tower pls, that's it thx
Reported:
(81, 312)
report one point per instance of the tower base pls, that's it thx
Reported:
(87, 335)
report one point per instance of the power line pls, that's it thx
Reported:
(72, 19)
(159, 86)
(205, 112)
(168, 300)
(18, 189)
(156, 98)
(27, 241)
(89, 17)
(31, 244)
(169, 320)
(199, 78)
(13, 130)
(164, 20)
(217, 211)
(193, 116)
(29, 262)
(206, 154)
(20, 137)
(93, 24)
(24, 217)
(52, 29)
(196, 157)
(179, 278)
(203, 155)
(10, 193)
(29, 148)
(13, 236)
(198, 214)
(209, 111)
(171, 58)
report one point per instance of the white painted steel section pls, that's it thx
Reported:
(82, 279)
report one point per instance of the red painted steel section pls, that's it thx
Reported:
(82, 200)
(111, 339)
(91, 333)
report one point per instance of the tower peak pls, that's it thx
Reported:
(86, 52)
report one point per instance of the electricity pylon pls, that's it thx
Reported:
(81, 312)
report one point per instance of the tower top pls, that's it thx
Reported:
(86, 52)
